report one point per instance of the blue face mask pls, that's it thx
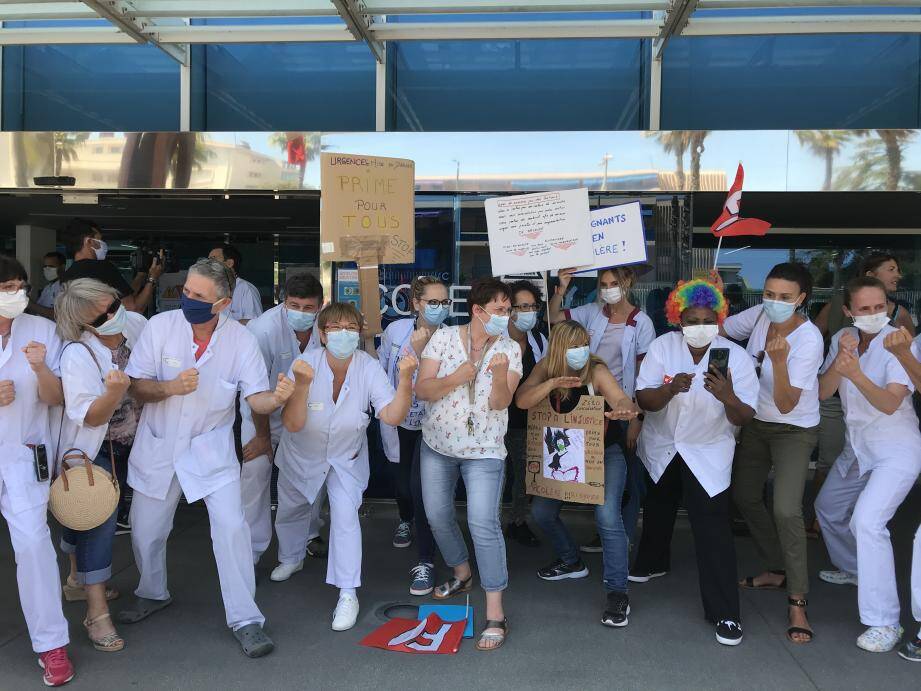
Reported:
(196, 311)
(525, 321)
(435, 314)
(577, 357)
(778, 311)
(342, 343)
(496, 326)
(300, 321)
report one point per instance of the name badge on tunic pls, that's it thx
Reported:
(315, 406)
(288, 354)
(172, 361)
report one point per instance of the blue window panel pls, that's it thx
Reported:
(285, 86)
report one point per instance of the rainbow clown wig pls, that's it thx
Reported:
(696, 293)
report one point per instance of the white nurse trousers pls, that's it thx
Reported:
(151, 523)
(853, 512)
(36, 574)
(256, 481)
(292, 519)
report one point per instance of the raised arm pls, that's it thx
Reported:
(154, 391)
(655, 399)
(504, 382)
(395, 412)
(555, 306)
(50, 391)
(899, 344)
(294, 414)
(430, 387)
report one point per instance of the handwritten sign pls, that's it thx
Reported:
(537, 232)
(566, 452)
(617, 237)
(366, 197)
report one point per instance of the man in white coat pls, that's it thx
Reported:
(283, 333)
(187, 368)
(245, 302)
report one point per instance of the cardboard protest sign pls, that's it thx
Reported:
(617, 237)
(431, 635)
(566, 452)
(538, 232)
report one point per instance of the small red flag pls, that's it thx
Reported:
(431, 635)
(730, 224)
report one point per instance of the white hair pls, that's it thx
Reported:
(78, 304)
(217, 273)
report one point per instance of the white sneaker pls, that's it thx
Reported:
(880, 639)
(346, 612)
(838, 577)
(283, 572)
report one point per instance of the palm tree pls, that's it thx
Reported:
(877, 163)
(65, 147)
(311, 148)
(675, 142)
(826, 144)
(894, 140)
(696, 145)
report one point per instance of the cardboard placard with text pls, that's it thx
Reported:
(367, 197)
(566, 452)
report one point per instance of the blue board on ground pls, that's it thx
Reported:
(450, 613)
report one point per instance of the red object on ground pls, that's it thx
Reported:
(730, 223)
(431, 635)
(57, 666)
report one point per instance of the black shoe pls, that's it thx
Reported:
(559, 570)
(521, 533)
(615, 614)
(317, 548)
(729, 632)
(122, 525)
(644, 576)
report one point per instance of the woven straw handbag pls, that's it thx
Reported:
(84, 495)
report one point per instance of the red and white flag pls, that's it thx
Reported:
(431, 635)
(730, 223)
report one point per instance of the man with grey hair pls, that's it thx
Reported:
(187, 368)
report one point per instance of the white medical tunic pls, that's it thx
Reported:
(334, 434)
(873, 436)
(191, 436)
(26, 419)
(694, 423)
(246, 303)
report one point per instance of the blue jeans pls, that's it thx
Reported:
(608, 517)
(484, 479)
(94, 547)
(636, 491)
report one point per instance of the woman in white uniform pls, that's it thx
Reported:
(29, 354)
(687, 444)
(431, 305)
(879, 465)
(324, 442)
(620, 334)
(101, 421)
(787, 348)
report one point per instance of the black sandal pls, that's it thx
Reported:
(497, 638)
(453, 587)
(749, 582)
(799, 629)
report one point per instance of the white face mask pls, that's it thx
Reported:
(612, 296)
(102, 250)
(871, 323)
(13, 304)
(700, 335)
(50, 273)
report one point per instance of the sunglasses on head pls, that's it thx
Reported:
(104, 317)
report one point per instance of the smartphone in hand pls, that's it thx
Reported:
(719, 358)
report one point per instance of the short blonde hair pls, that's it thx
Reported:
(339, 311)
(78, 304)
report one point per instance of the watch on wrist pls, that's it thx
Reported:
(151, 280)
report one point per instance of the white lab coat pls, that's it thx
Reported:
(83, 381)
(639, 333)
(184, 445)
(246, 303)
(694, 423)
(23, 499)
(279, 346)
(331, 449)
(871, 478)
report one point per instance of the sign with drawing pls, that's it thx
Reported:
(566, 452)
(538, 232)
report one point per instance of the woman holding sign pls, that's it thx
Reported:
(620, 334)
(567, 373)
(696, 388)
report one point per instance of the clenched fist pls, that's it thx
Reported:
(185, 383)
(117, 382)
(303, 372)
(35, 354)
(465, 374)
(283, 389)
(407, 365)
(498, 364)
(420, 339)
(7, 392)
(847, 364)
(777, 349)
(898, 342)
(681, 383)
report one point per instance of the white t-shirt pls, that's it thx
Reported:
(246, 302)
(693, 423)
(803, 362)
(445, 426)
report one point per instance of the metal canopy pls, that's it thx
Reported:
(170, 26)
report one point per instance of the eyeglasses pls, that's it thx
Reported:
(13, 287)
(333, 328)
(500, 312)
(527, 307)
(104, 317)
(437, 303)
